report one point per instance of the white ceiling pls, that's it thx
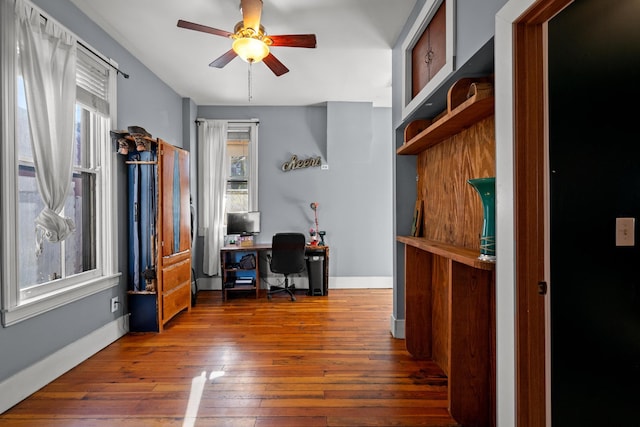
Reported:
(352, 61)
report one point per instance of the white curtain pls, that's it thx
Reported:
(48, 62)
(253, 167)
(212, 178)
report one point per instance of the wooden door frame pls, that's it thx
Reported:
(530, 132)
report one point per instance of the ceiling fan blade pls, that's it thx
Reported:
(224, 59)
(197, 27)
(251, 12)
(294, 40)
(275, 65)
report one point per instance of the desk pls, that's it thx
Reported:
(230, 257)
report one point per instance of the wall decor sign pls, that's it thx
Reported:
(295, 163)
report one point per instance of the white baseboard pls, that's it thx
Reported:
(375, 282)
(23, 384)
(363, 282)
(397, 327)
(213, 283)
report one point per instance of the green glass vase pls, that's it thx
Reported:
(486, 188)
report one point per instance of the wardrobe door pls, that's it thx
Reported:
(176, 226)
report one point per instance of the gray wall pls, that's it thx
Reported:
(142, 100)
(354, 194)
(474, 25)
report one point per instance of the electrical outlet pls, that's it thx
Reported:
(114, 304)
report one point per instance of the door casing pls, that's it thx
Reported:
(530, 137)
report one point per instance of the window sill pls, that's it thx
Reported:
(44, 303)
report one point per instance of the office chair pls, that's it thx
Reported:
(287, 257)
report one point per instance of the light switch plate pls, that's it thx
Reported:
(625, 231)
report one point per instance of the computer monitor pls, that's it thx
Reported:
(243, 222)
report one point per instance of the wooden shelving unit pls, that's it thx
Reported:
(449, 291)
(464, 256)
(229, 258)
(450, 319)
(471, 111)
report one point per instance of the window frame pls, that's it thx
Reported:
(16, 308)
(231, 178)
(251, 128)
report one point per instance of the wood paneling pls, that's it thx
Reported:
(472, 367)
(441, 331)
(452, 208)
(418, 323)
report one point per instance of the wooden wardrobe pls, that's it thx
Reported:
(160, 236)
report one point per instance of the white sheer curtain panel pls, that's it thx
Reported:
(253, 167)
(212, 178)
(48, 63)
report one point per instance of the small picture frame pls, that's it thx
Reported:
(416, 224)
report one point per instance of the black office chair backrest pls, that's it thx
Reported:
(287, 253)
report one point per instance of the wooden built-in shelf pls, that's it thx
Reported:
(450, 319)
(456, 253)
(471, 111)
(449, 291)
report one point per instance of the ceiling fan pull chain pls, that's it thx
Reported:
(249, 77)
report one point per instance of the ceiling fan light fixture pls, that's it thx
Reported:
(250, 40)
(250, 49)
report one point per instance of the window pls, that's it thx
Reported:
(77, 253)
(84, 263)
(242, 181)
(238, 159)
(227, 180)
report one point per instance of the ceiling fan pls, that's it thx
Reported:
(250, 41)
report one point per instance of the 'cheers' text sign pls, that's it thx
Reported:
(295, 163)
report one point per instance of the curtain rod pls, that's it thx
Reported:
(45, 17)
(118, 71)
(198, 121)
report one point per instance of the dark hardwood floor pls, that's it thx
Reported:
(319, 361)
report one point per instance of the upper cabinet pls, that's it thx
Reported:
(428, 52)
(445, 41)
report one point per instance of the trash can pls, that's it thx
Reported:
(315, 273)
